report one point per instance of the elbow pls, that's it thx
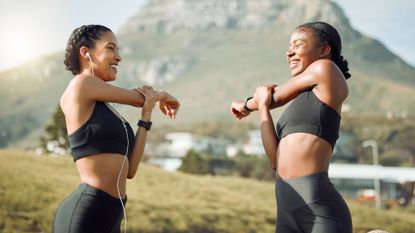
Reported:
(131, 174)
(138, 100)
(273, 165)
(138, 103)
(279, 99)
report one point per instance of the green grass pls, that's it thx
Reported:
(31, 187)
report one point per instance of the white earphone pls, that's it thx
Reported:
(90, 60)
(114, 110)
(88, 56)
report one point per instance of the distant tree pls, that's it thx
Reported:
(221, 166)
(263, 169)
(253, 166)
(245, 164)
(55, 139)
(397, 157)
(193, 162)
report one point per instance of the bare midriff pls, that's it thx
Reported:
(302, 154)
(101, 171)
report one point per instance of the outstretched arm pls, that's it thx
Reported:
(141, 135)
(286, 92)
(89, 88)
(282, 94)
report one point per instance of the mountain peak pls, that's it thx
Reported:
(167, 16)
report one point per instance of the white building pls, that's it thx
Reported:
(179, 143)
(169, 155)
(396, 183)
(254, 145)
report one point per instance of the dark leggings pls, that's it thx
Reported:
(90, 210)
(311, 204)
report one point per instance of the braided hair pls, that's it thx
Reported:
(328, 34)
(85, 35)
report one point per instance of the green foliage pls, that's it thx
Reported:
(243, 165)
(56, 137)
(205, 163)
(192, 162)
(254, 167)
(395, 138)
(15, 128)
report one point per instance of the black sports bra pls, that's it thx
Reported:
(309, 115)
(103, 133)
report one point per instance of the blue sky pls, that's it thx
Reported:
(32, 28)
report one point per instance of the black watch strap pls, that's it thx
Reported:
(246, 104)
(145, 124)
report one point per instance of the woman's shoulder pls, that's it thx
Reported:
(84, 83)
(78, 87)
(329, 77)
(84, 79)
(322, 65)
(324, 68)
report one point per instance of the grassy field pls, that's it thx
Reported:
(31, 187)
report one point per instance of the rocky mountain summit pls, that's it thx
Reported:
(168, 16)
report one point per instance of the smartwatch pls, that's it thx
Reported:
(145, 124)
(246, 104)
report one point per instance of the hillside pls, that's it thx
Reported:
(31, 187)
(209, 53)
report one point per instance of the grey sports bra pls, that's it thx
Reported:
(309, 115)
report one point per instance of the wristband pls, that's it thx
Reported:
(246, 104)
(145, 124)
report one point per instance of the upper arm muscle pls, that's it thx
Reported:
(311, 77)
(95, 89)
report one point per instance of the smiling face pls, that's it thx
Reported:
(105, 57)
(304, 49)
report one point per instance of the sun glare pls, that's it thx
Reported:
(18, 46)
(18, 42)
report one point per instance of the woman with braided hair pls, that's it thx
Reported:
(301, 145)
(105, 150)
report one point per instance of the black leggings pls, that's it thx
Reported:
(90, 210)
(311, 204)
